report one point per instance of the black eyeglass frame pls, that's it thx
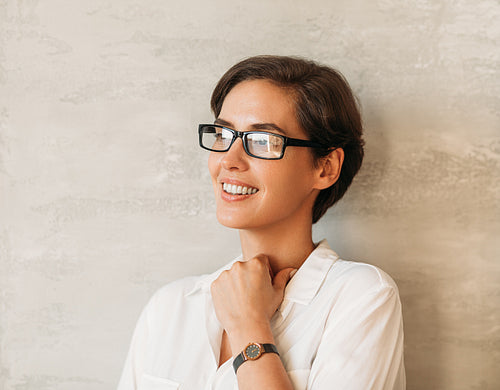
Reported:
(287, 141)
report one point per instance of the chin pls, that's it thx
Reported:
(239, 219)
(231, 221)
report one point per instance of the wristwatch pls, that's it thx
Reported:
(253, 351)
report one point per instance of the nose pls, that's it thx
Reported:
(235, 157)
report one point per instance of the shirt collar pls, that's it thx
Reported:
(203, 283)
(304, 285)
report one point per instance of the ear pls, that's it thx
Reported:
(329, 169)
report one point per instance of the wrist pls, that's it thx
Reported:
(240, 337)
(253, 351)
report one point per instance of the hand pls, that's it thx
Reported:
(247, 295)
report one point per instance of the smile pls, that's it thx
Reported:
(238, 190)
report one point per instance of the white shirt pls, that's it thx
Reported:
(338, 327)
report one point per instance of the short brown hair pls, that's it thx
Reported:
(325, 107)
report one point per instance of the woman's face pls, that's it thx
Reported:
(285, 189)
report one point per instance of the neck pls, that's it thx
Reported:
(285, 246)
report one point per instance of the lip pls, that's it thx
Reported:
(236, 182)
(232, 198)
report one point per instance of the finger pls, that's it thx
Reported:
(282, 278)
(262, 258)
(265, 260)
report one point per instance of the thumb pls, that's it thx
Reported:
(281, 278)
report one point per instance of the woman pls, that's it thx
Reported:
(287, 314)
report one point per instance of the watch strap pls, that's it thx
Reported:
(241, 358)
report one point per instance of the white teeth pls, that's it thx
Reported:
(238, 190)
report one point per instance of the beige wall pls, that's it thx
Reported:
(104, 194)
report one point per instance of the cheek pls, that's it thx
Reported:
(299, 164)
(213, 165)
(296, 180)
(282, 179)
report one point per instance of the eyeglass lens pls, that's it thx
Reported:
(260, 144)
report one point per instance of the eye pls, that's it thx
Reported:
(259, 139)
(222, 134)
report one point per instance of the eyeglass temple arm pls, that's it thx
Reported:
(301, 142)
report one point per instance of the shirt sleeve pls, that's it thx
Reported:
(134, 363)
(362, 349)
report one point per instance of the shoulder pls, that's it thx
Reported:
(177, 289)
(353, 287)
(172, 296)
(349, 275)
(183, 294)
(360, 276)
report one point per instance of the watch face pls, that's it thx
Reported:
(253, 351)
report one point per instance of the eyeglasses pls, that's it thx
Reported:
(259, 144)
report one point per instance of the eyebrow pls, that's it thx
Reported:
(255, 126)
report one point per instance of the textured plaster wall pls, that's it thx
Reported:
(105, 196)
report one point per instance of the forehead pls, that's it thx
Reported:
(260, 101)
